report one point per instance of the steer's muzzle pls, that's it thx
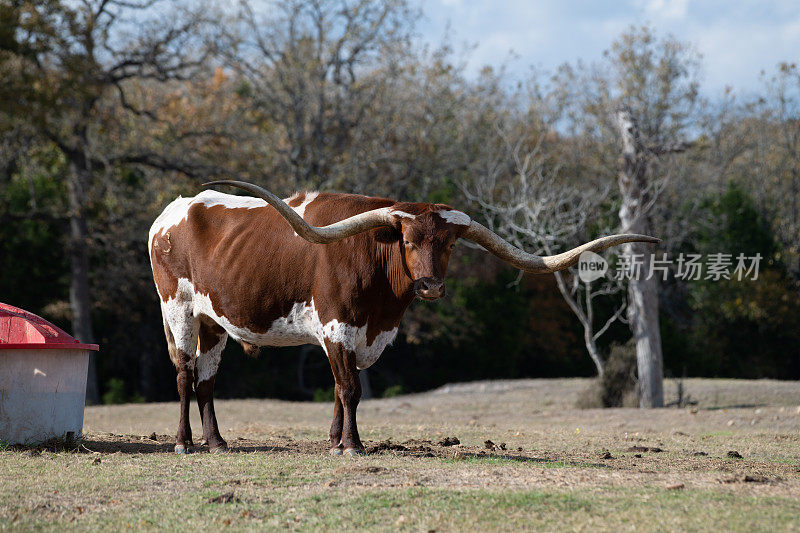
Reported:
(429, 288)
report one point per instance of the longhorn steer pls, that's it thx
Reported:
(228, 265)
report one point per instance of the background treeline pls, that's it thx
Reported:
(111, 109)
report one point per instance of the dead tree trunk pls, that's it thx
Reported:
(642, 292)
(78, 245)
(643, 320)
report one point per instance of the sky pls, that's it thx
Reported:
(737, 39)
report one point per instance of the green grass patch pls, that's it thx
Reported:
(57, 491)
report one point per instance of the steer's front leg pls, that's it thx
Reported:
(336, 425)
(348, 394)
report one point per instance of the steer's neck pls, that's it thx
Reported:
(394, 269)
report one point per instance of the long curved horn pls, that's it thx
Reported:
(536, 264)
(319, 235)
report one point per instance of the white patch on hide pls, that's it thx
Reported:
(301, 325)
(301, 209)
(208, 362)
(172, 215)
(178, 209)
(177, 312)
(211, 198)
(355, 339)
(455, 217)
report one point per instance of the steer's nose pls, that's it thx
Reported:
(429, 288)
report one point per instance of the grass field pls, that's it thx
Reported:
(549, 465)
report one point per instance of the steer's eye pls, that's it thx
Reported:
(452, 245)
(408, 244)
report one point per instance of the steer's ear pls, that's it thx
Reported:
(390, 234)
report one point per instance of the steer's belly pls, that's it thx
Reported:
(278, 337)
(300, 326)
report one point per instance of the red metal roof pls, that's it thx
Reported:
(20, 329)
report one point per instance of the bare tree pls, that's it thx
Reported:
(777, 137)
(636, 196)
(307, 66)
(581, 300)
(525, 200)
(632, 112)
(72, 59)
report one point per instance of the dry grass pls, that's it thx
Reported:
(577, 469)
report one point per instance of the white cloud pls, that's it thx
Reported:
(736, 58)
(666, 9)
(737, 38)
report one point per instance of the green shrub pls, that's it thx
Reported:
(323, 395)
(115, 392)
(394, 390)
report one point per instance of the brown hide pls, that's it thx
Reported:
(254, 268)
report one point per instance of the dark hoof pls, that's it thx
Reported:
(180, 449)
(220, 449)
(336, 451)
(355, 452)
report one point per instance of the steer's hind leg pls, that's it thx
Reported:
(209, 353)
(348, 393)
(181, 329)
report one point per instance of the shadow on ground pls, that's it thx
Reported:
(136, 444)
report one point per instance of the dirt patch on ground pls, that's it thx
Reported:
(510, 434)
(442, 464)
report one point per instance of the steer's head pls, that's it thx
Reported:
(429, 232)
(428, 235)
